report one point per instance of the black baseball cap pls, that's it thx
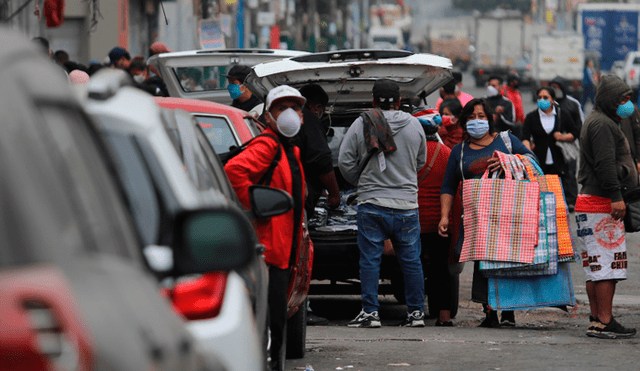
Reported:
(385, 88)
(238, 72)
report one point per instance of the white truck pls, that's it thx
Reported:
(499, 44)
(559, 54)
(385, 37)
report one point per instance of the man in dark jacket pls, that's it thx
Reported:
(502, 108)
(241, 95)
(569, 106)
(606, 169)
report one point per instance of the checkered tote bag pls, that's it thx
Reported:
(567, 250)
(500, 217)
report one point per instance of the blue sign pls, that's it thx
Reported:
(610, 33)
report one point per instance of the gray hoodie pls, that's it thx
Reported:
(399, 180)
(606, 165)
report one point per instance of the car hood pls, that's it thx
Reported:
(348, 75)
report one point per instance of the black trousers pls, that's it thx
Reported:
(439, 280)
(278, 287)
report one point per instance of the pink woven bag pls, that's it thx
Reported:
(500, 215)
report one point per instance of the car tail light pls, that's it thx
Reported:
(200, 298)
(632, 74)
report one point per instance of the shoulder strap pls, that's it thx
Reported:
(507, 141)
(266, 178)
(430, 166)
(461, 156)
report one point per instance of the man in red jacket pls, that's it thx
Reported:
(281, 234)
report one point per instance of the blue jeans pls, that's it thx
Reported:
(376, 224)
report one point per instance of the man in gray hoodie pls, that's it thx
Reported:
(382, 153)
(606, 170)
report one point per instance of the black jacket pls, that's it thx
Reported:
(500, 124)
(569, 105)
(533, 131)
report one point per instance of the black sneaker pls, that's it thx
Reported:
(508, 319)
(594, 325)
(491, 320)
(313, 320)
(364, 319)
(612, 330)
(444, 324)
(414, 319)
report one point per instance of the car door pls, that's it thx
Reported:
(199, 74)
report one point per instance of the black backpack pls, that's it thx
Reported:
(234, 151)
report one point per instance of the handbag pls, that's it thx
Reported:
(545, 260)
(501, 217)
(567, 250)
(570, 150)
(631, 198)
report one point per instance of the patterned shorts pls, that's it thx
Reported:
(602, 245)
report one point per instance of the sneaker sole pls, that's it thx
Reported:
(608, 335)
(414, 324)
(507, 324)
(372, 324)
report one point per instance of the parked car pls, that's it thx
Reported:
(168, 167)
(226, 127)
(348, 77)
(199, 74)
(76, 293)
(631, 70)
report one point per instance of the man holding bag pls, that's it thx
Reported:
(606, 170)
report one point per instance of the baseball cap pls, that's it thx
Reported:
(238, 72)
(387, 89)
(117, 53)
(159, 47)
(282, 92)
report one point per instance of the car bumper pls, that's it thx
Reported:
(232, 336)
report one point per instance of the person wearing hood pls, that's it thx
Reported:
(502, 108)
(572, 107)
(606, 170)
(381, 154)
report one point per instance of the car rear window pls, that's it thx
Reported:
(203, 78)
(219, 133)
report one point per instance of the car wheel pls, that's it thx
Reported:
(296, 333)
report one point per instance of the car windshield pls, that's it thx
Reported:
(203, 78)
(219, 133)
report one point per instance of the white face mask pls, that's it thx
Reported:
(139, 79)
(288, 122)
(492, 91)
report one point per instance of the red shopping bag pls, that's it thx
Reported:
(500, 217)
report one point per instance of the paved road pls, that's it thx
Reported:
(543, 339)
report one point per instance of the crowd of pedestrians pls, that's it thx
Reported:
(408, 187)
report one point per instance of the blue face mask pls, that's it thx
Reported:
(234, 91)
(544, 104)
(625, 110)
(477, 128)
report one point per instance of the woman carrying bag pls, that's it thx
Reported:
(469, 159)
(545, 130)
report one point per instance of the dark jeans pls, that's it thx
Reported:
(278, 287)
(439, 280)
(375, 225)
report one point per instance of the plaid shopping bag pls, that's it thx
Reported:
(545, 259)
(501, 217)
(567, 250)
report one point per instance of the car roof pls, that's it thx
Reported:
(348, 76)
(197, 105)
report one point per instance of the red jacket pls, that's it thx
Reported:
(245, 170)
(429, 187)
(514, 96)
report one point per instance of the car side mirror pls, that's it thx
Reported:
(210, 240)
(267, 202)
